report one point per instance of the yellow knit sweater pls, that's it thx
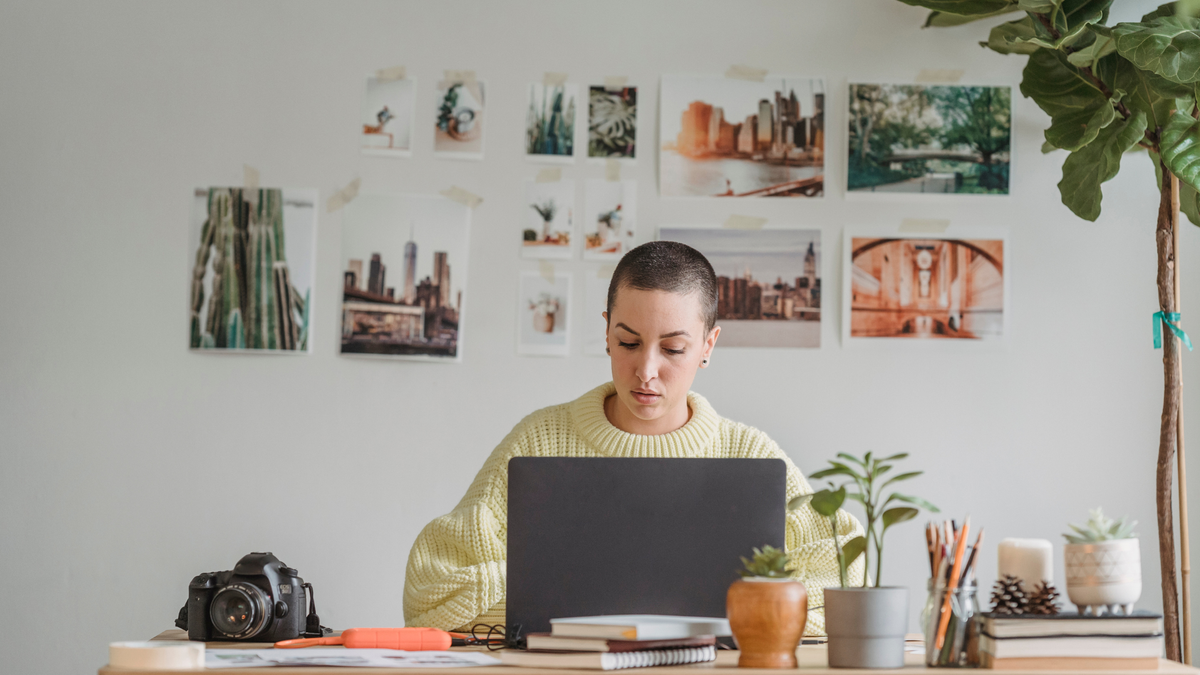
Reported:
(456, 569)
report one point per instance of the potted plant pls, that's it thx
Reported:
(1104, 565)
(544, 310)
(1109, 91)
(767, 610)
(546, 211)
(866, 625)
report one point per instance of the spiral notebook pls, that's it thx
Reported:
(610, 660)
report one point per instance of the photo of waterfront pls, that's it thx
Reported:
(724, 137)
(768, 283)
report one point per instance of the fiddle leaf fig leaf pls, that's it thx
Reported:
(1070, 18)
(1039, 6)
(1078, 110)
(964, 7)
(1088, 56)
(1189, 202)
(1012, 37)
(948, 20)
(1157, 96)
(1048, 147)
(1168, 46)
(1087, 168)
(1166, 9)
(898, 515)
(1181, 149)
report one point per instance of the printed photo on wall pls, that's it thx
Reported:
(609, 218)
(612, 122)
(924, 287)
(404, 276)
(921, 139)
(458, 133)
(595, 303)
(252, 268)
(542, 327)
(387, 117)
(768, 283)
(550, 122)
(724, 137)
(549, 217)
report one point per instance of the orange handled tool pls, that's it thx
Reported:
(405, 639)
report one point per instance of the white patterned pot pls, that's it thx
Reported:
(1105, 576)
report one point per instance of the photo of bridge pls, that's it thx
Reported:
(929, 139)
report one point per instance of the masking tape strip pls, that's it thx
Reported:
(554, 79)
(344, 196)
(458, 77)
(612, 170)
(736, 222)
(390, 74)
(549, 176)
(249, 177)
(605, 271)
(461, 196)
(157, 655)
(934, 225)
(746, 73)
(547, 270)
(616, 82)
(936, 76)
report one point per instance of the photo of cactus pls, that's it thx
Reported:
(458, 131)
(387, 117)
(550, 122)
(253, 253)
(404, 276)
(542, 327)
(612, 122)
(921, 139)
(548, 219)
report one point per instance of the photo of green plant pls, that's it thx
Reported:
(550, 122)
(612, 122)
(252, 269)
(929, 139)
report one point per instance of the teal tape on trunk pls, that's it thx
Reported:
(1167, 317)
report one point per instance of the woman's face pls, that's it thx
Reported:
(656, 341)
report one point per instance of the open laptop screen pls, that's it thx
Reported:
(592, 536)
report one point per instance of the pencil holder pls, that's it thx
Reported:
(960, 644)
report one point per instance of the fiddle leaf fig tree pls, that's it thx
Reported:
(1109, 91)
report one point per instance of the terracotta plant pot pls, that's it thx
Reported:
(1105, 576)
(866, 626)
(543, 323)
(767, 617)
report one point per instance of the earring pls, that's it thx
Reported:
(608, 351)
(704, 362)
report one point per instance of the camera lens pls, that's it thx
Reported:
(238, 611)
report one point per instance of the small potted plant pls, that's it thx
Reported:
(1104, 565)
(767, 610)
(544, 310)
(866, 626)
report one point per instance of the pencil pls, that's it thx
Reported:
(960, 544)
(971, 558)
(929, 548)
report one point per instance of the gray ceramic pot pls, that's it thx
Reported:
(866, 626)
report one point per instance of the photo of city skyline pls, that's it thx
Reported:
(768, 283)
(404, 276)
(725, 137)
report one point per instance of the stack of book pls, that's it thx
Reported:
(1071, 641)
(621, 641)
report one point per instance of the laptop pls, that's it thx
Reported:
(598, 535)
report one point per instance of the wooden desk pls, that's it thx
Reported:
(811, 658)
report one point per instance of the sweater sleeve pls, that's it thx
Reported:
(456, 568)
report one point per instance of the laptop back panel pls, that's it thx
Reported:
(591, 536)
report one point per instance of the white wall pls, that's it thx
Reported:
(130, 464)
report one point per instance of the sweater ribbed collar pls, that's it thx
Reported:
(692, 439)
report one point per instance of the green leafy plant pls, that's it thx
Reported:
(826, 503)
(867, 476)
(1109, 90)
(612, 126)
(1101, 528)
(767, 562)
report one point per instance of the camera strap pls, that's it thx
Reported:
(312, 625)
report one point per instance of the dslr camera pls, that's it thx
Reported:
(259, 600)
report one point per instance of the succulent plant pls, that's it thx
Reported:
(1101, 528)
(768, 562)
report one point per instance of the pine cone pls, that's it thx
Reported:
(1044, 599)
(1008, 597)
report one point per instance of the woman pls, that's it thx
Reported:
(661, 328)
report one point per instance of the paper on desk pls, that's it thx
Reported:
(350, 658)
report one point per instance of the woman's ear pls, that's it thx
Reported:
(709, 343)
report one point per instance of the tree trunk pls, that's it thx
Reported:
(1167, 431)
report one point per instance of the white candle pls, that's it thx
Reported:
(1030, 560)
